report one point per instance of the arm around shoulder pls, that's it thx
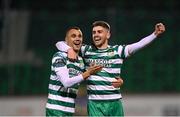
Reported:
(62, 46)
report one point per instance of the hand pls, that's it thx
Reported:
(159, 29)
(91, 70)
(117, 83)
(94, 68)
(72, 55)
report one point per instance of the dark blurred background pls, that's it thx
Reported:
(29, 30)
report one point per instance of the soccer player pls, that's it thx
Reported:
(103, 99)
(65, 74)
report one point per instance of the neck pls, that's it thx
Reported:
(76, 52)
(102, 47)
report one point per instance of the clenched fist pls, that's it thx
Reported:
(159, 29)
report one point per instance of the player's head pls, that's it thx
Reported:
(74, 38)
(100, 34)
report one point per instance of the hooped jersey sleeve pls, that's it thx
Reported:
(59, 66)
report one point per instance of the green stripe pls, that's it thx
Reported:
(53, 73)
(119, 65)
(105, 74)
(58, 83)
(85, 49)
(75, 67)
(63, 94)
(57, 102)
(54, 112)
(116, 48)
(103, 92)
(55, 82)
(123, 52)
(109, 100)
(57, 54)
(90, 82)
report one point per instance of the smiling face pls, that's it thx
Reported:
(74, 39)
(100, 37)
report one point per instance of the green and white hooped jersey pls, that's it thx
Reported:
(60, 98)
(99, 86)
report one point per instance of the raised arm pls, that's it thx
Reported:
(132, 48)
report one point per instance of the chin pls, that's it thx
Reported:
(97, 45)
(76, 49)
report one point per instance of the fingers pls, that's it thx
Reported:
(117, 83)
(92, 64)
(159, 28)
(95, 68)
(99, 67)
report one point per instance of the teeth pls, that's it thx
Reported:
(97, 38)
(77, 42)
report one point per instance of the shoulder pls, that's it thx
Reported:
(120, 47)
(60, 54)
(59, 59)
(115, 47)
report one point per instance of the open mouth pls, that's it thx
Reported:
(97, 39)
(77, 42)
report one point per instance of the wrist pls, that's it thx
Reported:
(154, 34)
(86, 74)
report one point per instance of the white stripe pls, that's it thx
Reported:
(62, 108)
(102, 54)
(98, 78)
(54, 87)
(53, 77)
(117, 61)
(101, 87)
(111, 70)
(60, 98)
(57, 57)
(120, 50)
(74, 63)
(61, 88)
(104, 97)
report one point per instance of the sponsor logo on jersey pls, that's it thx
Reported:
(103, 62)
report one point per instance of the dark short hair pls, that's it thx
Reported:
(73, 27)
(101, 23)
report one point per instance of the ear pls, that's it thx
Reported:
(108, 35)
